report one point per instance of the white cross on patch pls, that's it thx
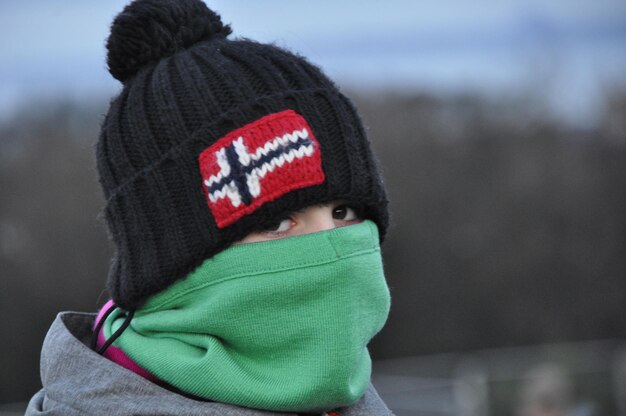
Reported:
(229, 182)
(258, 163)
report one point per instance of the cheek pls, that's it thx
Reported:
(254, 238)
(339, 224)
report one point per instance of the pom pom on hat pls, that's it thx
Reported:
(149, 30)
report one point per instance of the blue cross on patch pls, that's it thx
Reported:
(242, 170)
(284, 156)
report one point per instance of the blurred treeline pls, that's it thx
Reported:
(509, 226)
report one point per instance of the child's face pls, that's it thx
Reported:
(309, 220)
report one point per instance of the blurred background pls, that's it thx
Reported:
(501, 129)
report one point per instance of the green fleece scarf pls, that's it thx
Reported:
(280, 325)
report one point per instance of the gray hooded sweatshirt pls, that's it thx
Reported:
(78, 381)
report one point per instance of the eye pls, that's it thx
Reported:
(347, 213)
(281, 227)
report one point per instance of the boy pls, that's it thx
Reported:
(246, 210)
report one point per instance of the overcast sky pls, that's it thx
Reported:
(570, 49)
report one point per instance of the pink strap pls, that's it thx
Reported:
(115, 354)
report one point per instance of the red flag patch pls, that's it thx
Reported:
(258, 163)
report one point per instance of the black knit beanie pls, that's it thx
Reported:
(211, 139)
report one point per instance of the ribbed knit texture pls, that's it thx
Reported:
(280, 325)
(186, 86)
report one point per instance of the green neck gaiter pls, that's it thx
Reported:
(280, 325)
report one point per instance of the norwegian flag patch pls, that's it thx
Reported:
(258, 163)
